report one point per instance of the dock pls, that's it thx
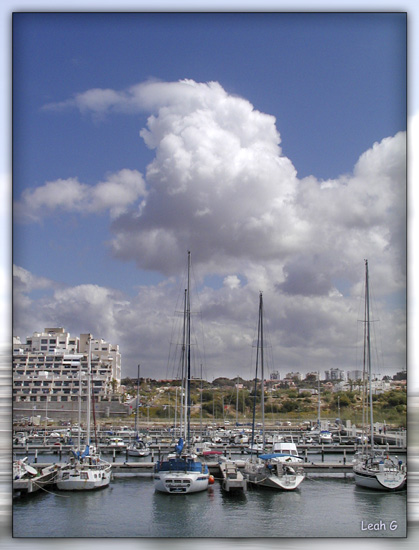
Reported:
(145, 469)
(45, 478)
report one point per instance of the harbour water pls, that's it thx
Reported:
(130, 507)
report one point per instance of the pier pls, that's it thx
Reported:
(145, 469)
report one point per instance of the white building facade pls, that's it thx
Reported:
(52, 367)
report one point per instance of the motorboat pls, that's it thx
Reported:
(325, 437)
(233, 480)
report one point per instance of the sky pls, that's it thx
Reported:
(273, 147)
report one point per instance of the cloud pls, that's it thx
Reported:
(25, 281)
(218, 183)
(220, 186)
(116, 194)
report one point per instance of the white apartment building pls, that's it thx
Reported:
(50, 365)
(334, 374)
(354, 375)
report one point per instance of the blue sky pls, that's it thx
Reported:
(334, 82)
(272, 146)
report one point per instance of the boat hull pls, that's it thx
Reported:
(272, 476)
(233, 479)
(138, 452)
(282, 483)
(380, 481)
(181, 482)
(84, 477)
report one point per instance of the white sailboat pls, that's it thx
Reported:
(269, 470)
(138, 447)
(181, 472)
(374, 469)
(85, 470)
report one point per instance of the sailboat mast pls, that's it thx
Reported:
(367, 290)
(262, 368)
(79, 411)
(318, 400)
(137, 400)
(89, 373)
(258, 347)
(237, 401)
(182, 416)
(188, 357)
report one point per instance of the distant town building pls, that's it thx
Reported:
(354, 375)
(334, 374)
(294, 375)
(50, 365)
(341, 386)
(312, 391)
(312, 375)
(275, 375)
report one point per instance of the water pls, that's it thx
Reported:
(129, 507)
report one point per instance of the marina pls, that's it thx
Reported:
(321, 507)
(327, 504)
(254, 479)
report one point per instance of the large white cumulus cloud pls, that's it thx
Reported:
(220, 186)
(218, 183)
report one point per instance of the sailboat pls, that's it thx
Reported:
(85, 470)
(268, 469)
(181, 472)
(374, 469)
(138, 447)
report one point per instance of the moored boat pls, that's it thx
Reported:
(273, 472)
(181, 472)
(233, 479)
(85, 470)
(269, 470)
(372, 469)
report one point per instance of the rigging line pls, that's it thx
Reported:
(50, 492)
